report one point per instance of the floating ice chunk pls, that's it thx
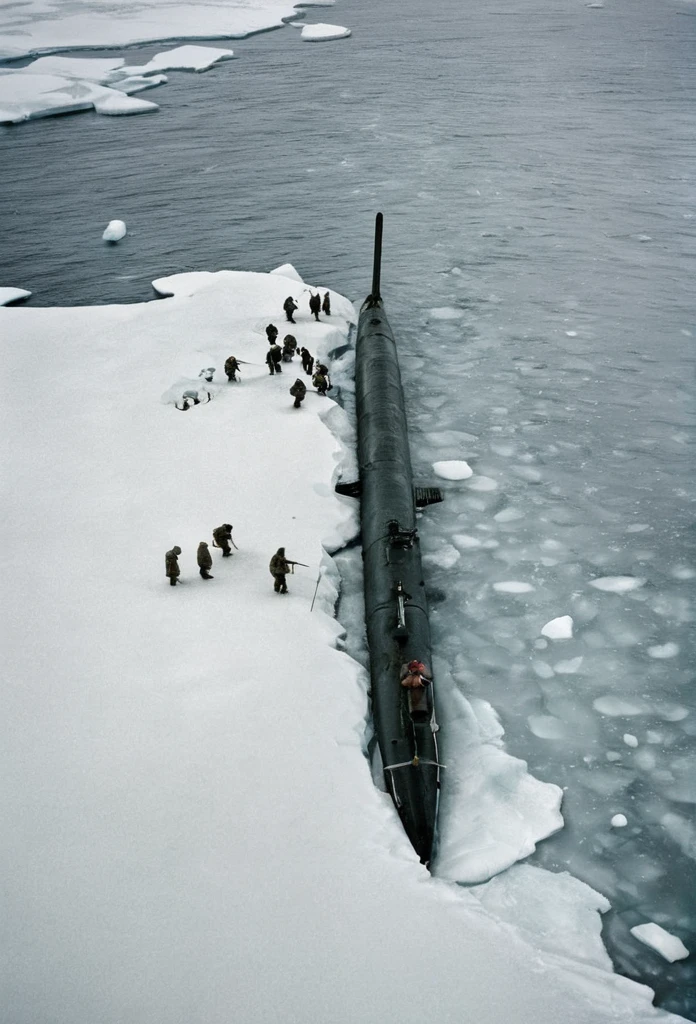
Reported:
(9, 295)
(508, 515)
(617, 708)
(619, 821)
(446, 313)
(682, 832)
(630, 740)
(114, 102)
(617, 584)
(668, 650)
(532, 476)
(183, 58)
(542, 670)
(466, 541)
(320, 32)
(558, 629)
(570, 667)
(637, 527)
(613, 755)
(683, 572)
(547, 727)
(483, 483)
(654, 737)
(136, 83)
(671, 712)
(445, 558)
(453, 469)
(115, 230)
(512, 587)
(664, 943)
(645, 759)
(25, 96)
(287, 270)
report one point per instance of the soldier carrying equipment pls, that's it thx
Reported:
(320, 382)
(326, 304)
(232, 369)
(205, 560)
(298, 390)
(290, 306)
(279, 567)
(171, 565)
(222, 535)
(315, 304)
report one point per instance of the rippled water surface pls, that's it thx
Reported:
(535, 167)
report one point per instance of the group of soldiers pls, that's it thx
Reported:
(222, 538)
(279, 565)
(316, 305)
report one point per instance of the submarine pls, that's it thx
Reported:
(396, 611)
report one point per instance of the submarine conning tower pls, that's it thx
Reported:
(396, 611)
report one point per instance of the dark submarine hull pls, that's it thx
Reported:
(396, 611)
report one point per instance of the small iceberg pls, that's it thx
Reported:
(663, 942)
(114, 231)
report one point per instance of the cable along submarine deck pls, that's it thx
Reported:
(396, 611)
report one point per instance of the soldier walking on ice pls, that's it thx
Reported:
(279, 567)
(171, 565)
(222, 535)
(326, 304)
(205, 561)
(290, 306)
(298, 390)
(231, 369)
(315, 304)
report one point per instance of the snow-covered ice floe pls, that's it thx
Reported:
(558, 629)
(187, 785)
(323, 33)
(9, 295)
(59, 85)
(36, 27)
(453, 469)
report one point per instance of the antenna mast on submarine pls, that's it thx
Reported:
(374, 298)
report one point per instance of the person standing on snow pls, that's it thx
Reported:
(315, 304)
(326, 304)
(298, 390)
(205, 560)
(279, 568)
(271, 333)
(307, 361)
(290, 306)
(231, 369)
(171, 565)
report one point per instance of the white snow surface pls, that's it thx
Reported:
(114, 230)
(322, 33)
(38, 26)
(191, 825)
(8, 295)
(663, 942)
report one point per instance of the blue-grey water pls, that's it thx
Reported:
(535, 165)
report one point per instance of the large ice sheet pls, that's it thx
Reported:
(493, 812)
(37, 26)
(188, 812)
(27, 96)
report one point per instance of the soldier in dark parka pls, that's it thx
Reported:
(290, 306)
(171, 565)
(222, 536)
(320, 382)
(271, 333)
(279, 567)
(315, 304)
(231, 369)
(205, 560)
(277, 356)
(326, 304)
(307, 361)
(298, 390)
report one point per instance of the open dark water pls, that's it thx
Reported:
(535, 165)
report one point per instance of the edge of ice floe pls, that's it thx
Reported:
(10, 295)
